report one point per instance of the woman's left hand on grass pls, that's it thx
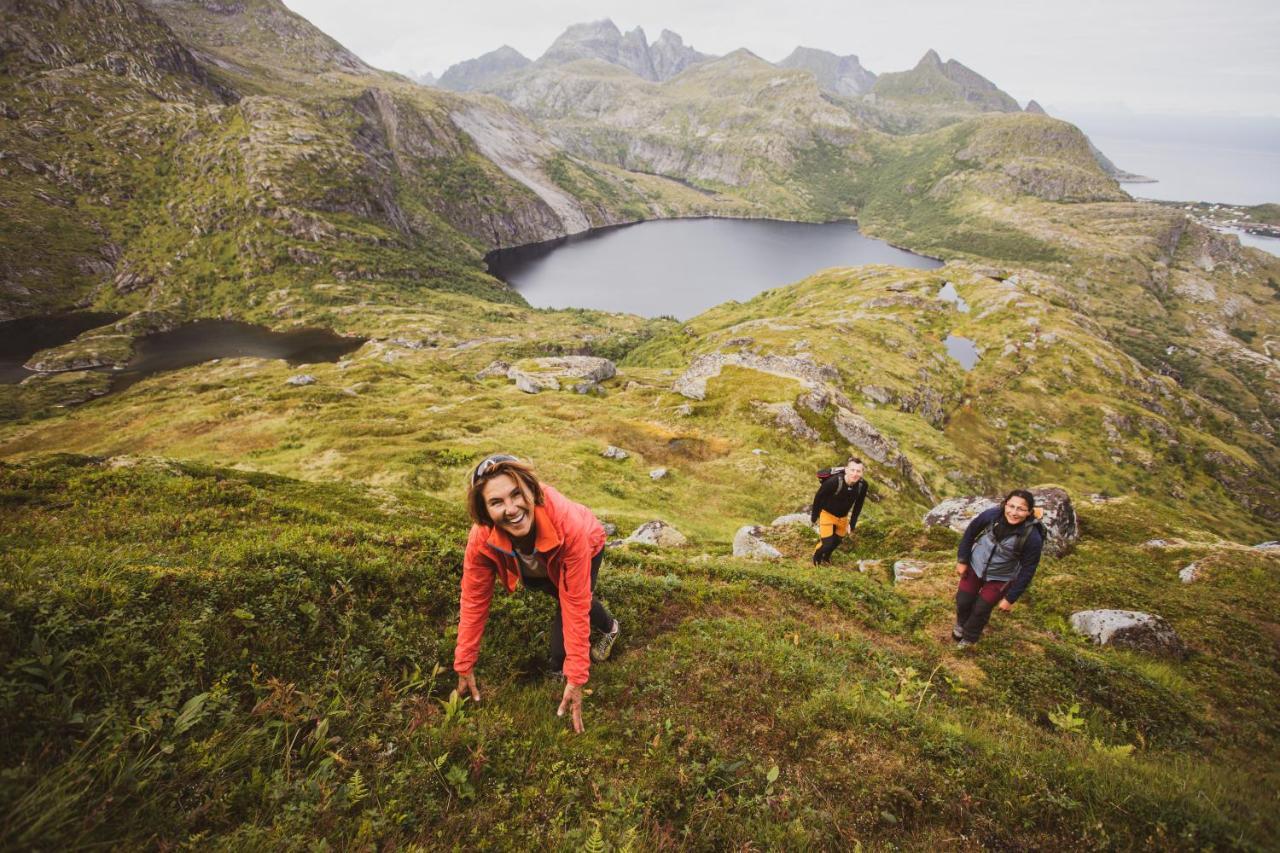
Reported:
(1005, 605)
(572, 700)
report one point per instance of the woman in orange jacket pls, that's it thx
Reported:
(524, 530)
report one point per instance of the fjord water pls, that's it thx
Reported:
(681, 267)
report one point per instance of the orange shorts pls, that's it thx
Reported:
(830, 525)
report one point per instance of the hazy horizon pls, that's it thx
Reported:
(1178, 58)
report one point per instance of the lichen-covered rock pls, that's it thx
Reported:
(909, 570)
(545, 374)
(301, 379)
(612, 452)
(693, 382)
(657, 473)
(495, 370)
(793, 518)
(865, 566)
(1130, 629)
(1059, 516)
(787, 419)
(657, 533)
(1191, 573)
(860, 432)
(749, 542)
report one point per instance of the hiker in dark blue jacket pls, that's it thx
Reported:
(996, 561)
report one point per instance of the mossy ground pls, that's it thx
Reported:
(204, 657)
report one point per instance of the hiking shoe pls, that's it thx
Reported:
(957, 632)
(600, 651)
(964, 644)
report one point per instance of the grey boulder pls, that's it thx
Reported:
(657, 533)
(1130, 629)
(749, 542)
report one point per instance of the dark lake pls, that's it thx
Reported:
(21, 339)
(189, 344)
(682, 267)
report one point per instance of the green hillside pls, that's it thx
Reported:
(228, 602)
(207, 657)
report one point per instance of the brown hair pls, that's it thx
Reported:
(855, 460)
(526, 482)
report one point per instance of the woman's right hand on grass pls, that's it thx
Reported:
(961, 568)
(467, 685)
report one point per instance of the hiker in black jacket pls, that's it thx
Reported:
(840, 495)
(997, 559)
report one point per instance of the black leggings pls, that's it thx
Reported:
(825, 549)
(601, 618)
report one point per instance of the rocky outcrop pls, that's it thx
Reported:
(1058, 517)
(481, 72)
(909, 570)
(749, 542)
(788, 420)
(1130, 629)
(546, 374)
(657, 533)
(301, 379)
(860, 433)
(800, 518)
(612, 452)
(519, 151)
(693, 382)
(1191, 573)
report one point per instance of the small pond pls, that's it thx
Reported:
(682, 267)
(962, 350)
(21, 339)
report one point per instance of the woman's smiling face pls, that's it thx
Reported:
(507, 505)
(1016, 510)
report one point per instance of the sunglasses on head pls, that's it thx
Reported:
(489, 464)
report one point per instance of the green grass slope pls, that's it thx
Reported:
(200, 657)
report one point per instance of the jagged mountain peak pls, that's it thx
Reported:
(931, 59)
(1033, 106)
(949, 84)
(602, 40)
(843, 75)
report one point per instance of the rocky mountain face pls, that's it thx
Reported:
(843, 75)
(602, 40)
(947, 84)
(483, 71)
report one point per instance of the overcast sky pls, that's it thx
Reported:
(1171, 56)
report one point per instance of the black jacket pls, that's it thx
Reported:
(838, 497)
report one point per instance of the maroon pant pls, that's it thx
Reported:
(975, 599)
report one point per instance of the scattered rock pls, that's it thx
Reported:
(1191, 573)
(759, 452)
(748, 542)
(1130, 629)
(495, 370)
(793, 518)
(1272, 546)
(610, 529)
(684, 410)
(657, 473)
(909, 570)
(1159, 543)
(301, 379)
(612, 452)
(657, 533)
(865, 566)
(1059, 516)
(532, 384)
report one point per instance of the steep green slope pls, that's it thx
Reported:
(212, 658)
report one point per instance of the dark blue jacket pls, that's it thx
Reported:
(1029, 559)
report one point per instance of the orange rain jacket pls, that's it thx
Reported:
(567, 536)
